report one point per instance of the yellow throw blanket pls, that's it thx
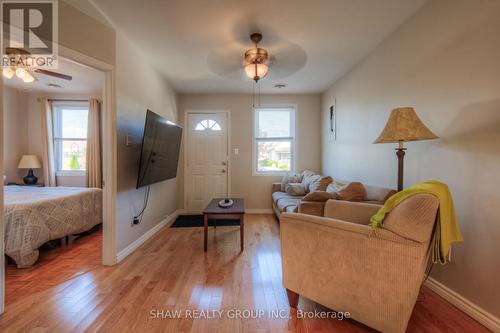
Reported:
(447, 229)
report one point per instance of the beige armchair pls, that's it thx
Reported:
(337, 260)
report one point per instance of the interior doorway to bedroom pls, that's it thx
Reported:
(53, 176)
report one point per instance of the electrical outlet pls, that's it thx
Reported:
(128, 140)
(136, 221)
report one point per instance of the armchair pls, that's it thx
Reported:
(339, 262)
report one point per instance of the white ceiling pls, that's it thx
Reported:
(85, 80)
(194, 43)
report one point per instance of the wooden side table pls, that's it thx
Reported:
(213, 211)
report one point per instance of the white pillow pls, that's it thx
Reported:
(290, 177)
(295, 189)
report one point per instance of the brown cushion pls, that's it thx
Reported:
(354, 191)
(414, 217)
(389, 194)
(320, 196)
(320, 183)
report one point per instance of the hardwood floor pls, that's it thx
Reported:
(54, 267)
(171, 272)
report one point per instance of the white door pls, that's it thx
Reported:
(207, 159)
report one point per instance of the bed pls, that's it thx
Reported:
(35, 215)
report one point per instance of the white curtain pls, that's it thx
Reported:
(94, 164)
(49, 170)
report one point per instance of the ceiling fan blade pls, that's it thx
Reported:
(15, 50)
(227, 61)
(54, 74)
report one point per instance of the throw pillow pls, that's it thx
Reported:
(320, 196)
(295, 189)
(353, 191)
(320, 184)
(290, 177)
(307, 177)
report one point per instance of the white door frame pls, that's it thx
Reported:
(109, 249)
(227, 113)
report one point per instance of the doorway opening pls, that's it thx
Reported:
(56, 129)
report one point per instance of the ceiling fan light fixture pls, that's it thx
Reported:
(256, 71)
(21, 73)
(256, 55)
(29, 78)
(24, 75)
(8, 72)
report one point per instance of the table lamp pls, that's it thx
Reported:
(404, 125)
(30, 162)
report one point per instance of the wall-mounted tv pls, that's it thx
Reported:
(161, 145)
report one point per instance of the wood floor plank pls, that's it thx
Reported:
(68, 290)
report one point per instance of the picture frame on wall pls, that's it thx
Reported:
(332, 121)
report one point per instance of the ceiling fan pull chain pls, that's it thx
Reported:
(258, 83)
(253, 94)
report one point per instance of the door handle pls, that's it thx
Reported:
(223, 171)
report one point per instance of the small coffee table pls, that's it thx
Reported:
(213, 211)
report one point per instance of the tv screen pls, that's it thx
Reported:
(161, 145)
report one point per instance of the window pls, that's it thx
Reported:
(208, 124)
(70, 137)
(274, 140)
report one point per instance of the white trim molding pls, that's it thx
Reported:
(471, 309)
(258, 211)
(167, 221)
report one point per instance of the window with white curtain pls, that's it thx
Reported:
(70, 123)
(274, 140)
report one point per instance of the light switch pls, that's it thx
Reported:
(236, 151)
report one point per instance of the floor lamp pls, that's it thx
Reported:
(404, 125)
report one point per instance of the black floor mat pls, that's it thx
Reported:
(188, 221)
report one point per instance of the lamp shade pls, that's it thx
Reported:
(29, 162)
(404, 125)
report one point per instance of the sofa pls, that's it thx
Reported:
(290, 203)
(339, 262)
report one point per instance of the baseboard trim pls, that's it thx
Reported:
(474, 311)
(141, 240)
(258, 211)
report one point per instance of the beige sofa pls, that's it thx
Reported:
(285, 203)
(339, 262)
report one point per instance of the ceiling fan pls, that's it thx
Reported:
(27, 74)
(278, 58)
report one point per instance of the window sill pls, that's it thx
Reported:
(270, 173)
(66, 173)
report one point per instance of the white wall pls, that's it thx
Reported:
(139, 87)
(257, 189)
(445, 62)
(15, 135)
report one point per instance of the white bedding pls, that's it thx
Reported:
(35, 215)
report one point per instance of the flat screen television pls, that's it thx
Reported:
(161, 145)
